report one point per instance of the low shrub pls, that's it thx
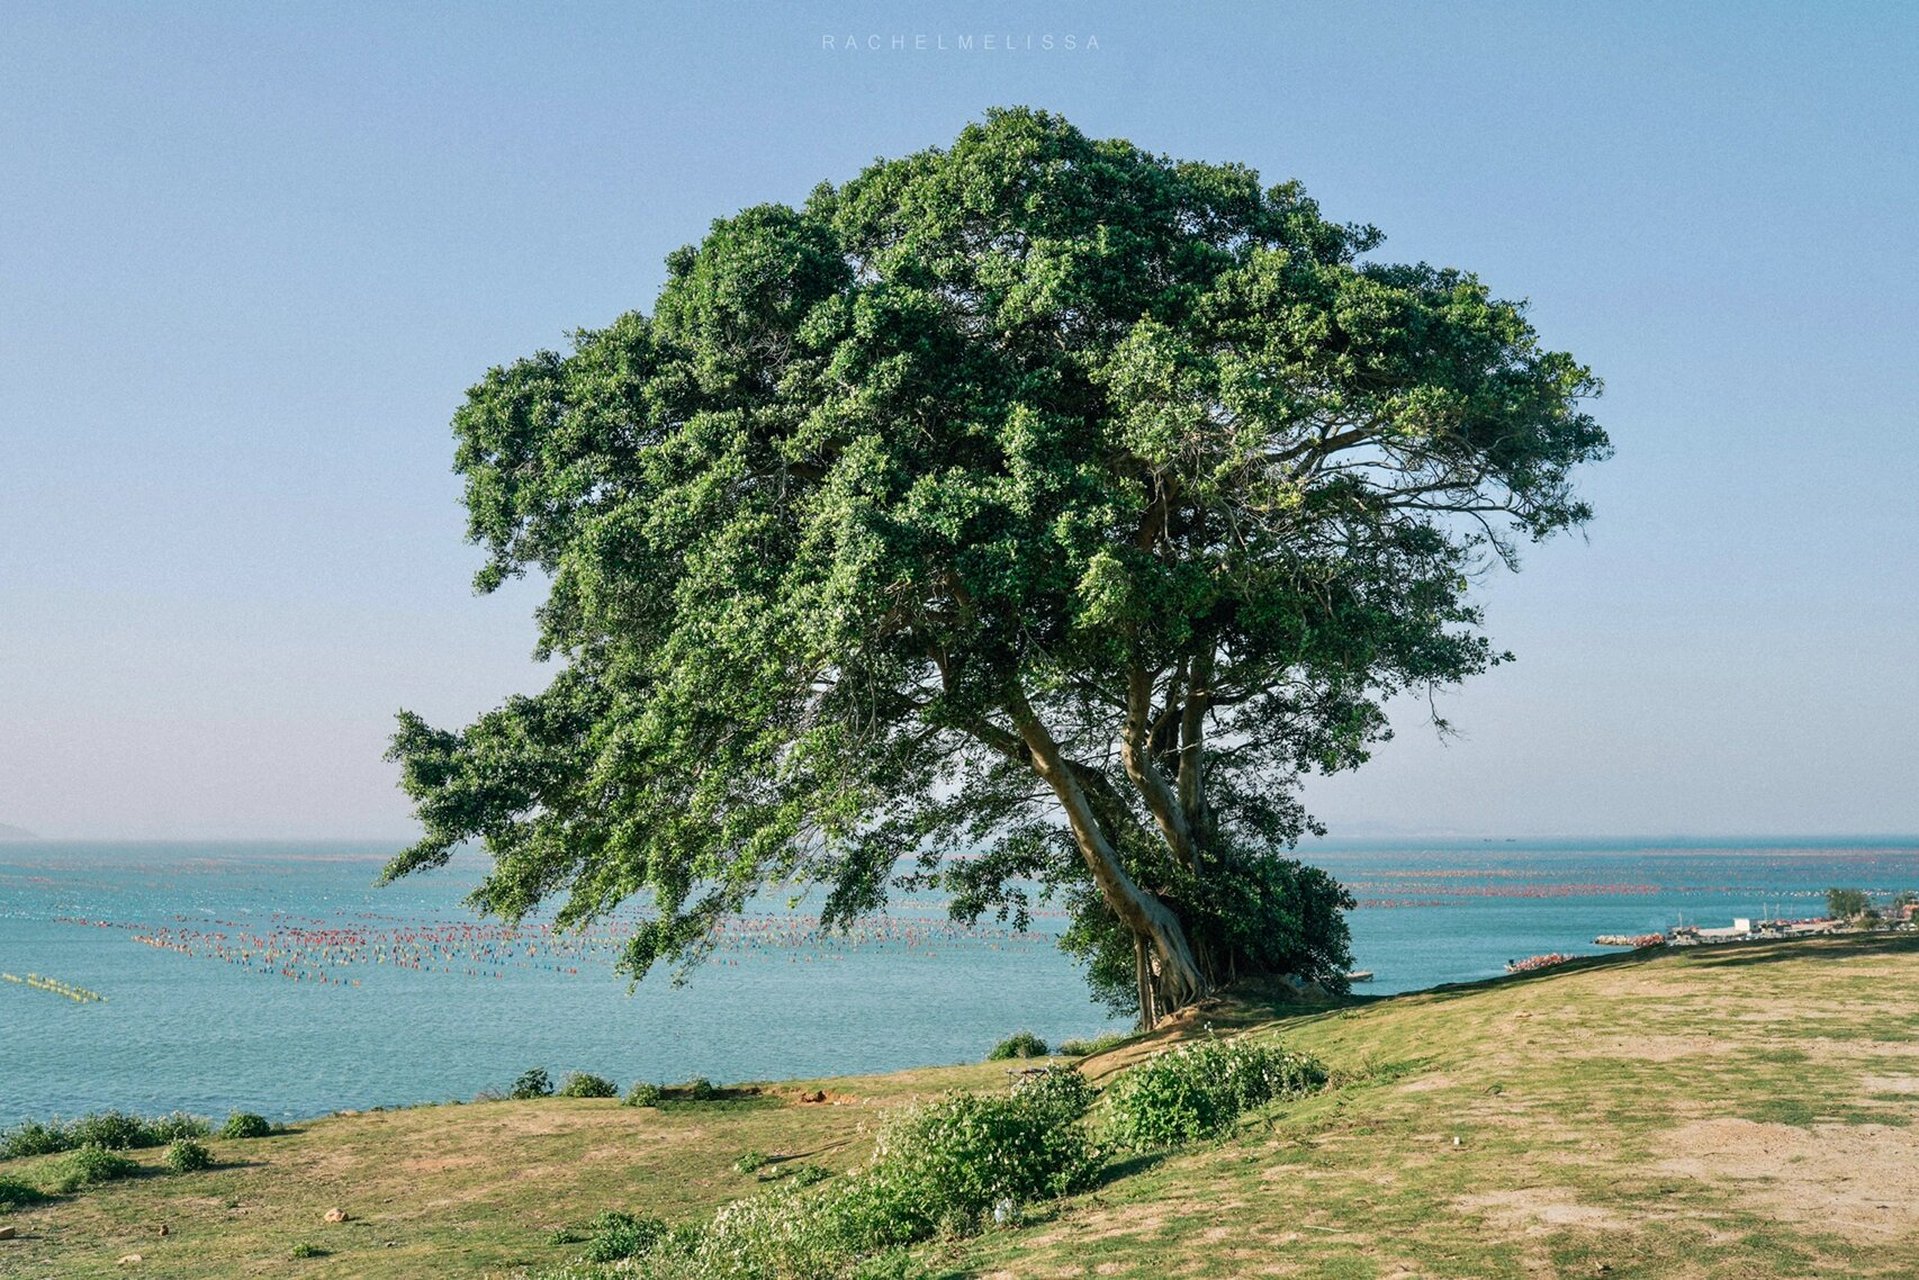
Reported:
(949, 1166)
(184, 1155)
(534, 1082)
(582, 1085)
(244, 1124)
(112, 1130)
(306, 1250)
(91, 1165)
(613, 1236)
(700, 1089)
(181, 1126)
(1087, 1048)
(643, 1094)
(1021, 1044)
(752, 1162)
(789, 1231)
(946, 1165)
(1061, 1094)
(35, 1138)
(1199, 1090)
(806, 1175)
(15, 1194)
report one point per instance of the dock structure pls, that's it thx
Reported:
(1746, 930)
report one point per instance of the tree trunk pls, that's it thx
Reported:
(1192, 748)
(1169, 976)
(1143, 979)
(1136, 753)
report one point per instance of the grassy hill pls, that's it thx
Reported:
(1732, 1111)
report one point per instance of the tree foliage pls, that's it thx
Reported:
(1847, 904)
(1036, 497)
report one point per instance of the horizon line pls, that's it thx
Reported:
(1332, 837)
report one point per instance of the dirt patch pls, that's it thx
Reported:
(1656, 1048)
(1891, 1084)
(1537, 1210)
(1426, 1084)
(444, 1164)
(1846, 1178)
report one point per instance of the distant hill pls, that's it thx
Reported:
(15, 833)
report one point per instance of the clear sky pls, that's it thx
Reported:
(251, 255)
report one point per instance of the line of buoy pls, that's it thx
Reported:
(79, 995)
(310, 949)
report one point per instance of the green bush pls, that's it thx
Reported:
(184, 1155)
(1021, 1044)
(1087, 1048)
(751, 1162)
(178, 1125)
(15, 1194)
(1061, 1094)
(91, 1165)
(614, 1235)
(35, 1138)
(786, 1232)
(244, 1124)
(113, 1130)
(947, 1164)
(643, 1094)
(806, 1175)
(700, 1089)
(306, 1250)
(534, 1082)
(1199, 1090)
(582, 1085)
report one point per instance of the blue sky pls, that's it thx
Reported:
(252, 255)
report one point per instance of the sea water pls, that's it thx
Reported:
(280, 978)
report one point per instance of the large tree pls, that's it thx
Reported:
(1037, 508)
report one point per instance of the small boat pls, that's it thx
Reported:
(1360, 975)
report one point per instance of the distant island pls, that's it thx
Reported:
(16, 833)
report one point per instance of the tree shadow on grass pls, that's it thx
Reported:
(1119, 1170)
(1710, 955)
(677, 1101)
(1250, 1011)
(1729, 955)
(786, 1158)
(1247, 1005)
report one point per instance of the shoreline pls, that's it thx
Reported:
(1353, 1000)
(1456, 1093)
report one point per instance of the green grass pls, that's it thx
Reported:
(1739, 1111)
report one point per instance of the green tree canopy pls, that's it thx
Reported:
(1037, 500)
(1847, 904)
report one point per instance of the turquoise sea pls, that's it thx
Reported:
(278, 978)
